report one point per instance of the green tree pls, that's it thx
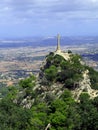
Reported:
(51, 73)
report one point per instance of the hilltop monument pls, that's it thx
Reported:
(58, 51)
(58, 43)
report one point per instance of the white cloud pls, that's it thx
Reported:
(49, 4)
(47, 10)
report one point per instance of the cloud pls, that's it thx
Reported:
(47, 13)
(45, 8)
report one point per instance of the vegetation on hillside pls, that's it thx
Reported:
(66, 72)
(70, 72)
(61, 113)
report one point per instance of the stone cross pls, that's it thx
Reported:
(58, 43)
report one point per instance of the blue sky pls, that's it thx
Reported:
(23, 18)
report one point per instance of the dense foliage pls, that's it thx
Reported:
(93, 77)
(70, 72)
(61, 113)
(57, 69)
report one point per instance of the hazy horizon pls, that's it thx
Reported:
(46, 36)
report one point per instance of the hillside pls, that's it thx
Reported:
(69, 72)
(63, 96)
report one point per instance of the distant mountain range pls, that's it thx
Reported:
(47, 41)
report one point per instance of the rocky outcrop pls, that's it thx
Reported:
(85, 86)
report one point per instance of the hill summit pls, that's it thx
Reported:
(60, 71)
(65, 70)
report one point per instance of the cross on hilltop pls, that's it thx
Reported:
(58, 51)
(58, 43)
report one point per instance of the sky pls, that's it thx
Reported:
(28, 18)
